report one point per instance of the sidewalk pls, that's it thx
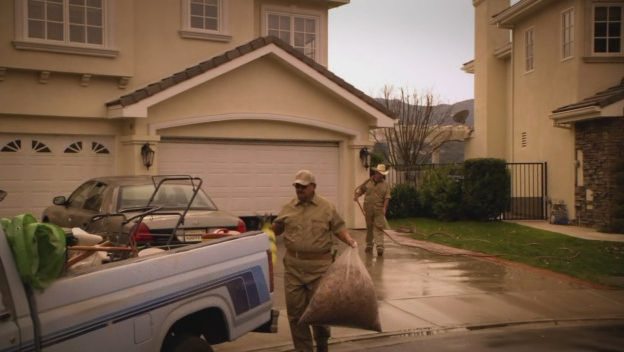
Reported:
(575, 231)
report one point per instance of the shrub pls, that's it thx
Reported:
(441, 194)
(486, 188)
(404, 202)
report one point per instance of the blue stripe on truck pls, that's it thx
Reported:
(248, 290)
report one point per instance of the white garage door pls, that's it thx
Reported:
(36, 168)
(251, 178)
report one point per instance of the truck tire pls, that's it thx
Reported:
(187, 343)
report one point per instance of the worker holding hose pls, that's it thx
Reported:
(376, 199)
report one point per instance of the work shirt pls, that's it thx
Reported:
(309, 226)
(375, 194)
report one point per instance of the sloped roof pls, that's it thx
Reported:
(210, 64)
(600, 99)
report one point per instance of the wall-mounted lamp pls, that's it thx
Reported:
(147, 154)
(364, 154)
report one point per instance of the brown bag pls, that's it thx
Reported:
(345, 296)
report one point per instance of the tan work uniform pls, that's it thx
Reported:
(376, 194)
(308, 230)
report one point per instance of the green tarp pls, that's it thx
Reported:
(38, 249)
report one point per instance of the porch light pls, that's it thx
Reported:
(364, 154)
(147, 154)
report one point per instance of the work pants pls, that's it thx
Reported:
(301, 279)
(375, 224)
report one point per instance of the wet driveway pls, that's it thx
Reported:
(426, 292)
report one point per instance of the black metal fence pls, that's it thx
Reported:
(529, 191)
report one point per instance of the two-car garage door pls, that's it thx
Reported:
(35, 168)
(251, 178)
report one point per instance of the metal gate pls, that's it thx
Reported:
(528, 191)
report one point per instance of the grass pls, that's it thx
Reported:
(596, 261)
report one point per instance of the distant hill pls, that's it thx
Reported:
(453, 152)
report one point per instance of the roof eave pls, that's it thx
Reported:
(510, 16)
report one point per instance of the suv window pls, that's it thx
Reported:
(77, 199)
(94, 197)
(172, 196)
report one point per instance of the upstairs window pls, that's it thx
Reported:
(567, 33)
(607, 30)
(205, 19)
(69, 21)
(300, 31)
(529, 38)
(205, 14)
(68, 26)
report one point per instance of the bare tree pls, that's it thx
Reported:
(419, 131)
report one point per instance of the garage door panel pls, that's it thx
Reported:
(43, 167)
(251, 179)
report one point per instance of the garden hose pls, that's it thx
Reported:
(422, 247)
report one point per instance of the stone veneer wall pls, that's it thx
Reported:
(602, 143)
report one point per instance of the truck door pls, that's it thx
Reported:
(9, 332)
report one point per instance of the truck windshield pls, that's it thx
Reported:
(169, 196)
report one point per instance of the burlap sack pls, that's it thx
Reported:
(345, 296)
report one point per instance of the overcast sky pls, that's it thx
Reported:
(417, 44)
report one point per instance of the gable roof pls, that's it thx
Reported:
(597, 105)
(219, 61)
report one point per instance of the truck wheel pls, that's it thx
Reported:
(187, 343)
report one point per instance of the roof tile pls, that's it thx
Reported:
(601, 99)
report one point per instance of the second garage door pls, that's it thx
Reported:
(35, 168)
(249, 178)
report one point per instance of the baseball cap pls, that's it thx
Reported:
(304, 178)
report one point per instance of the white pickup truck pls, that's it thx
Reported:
(183, 299)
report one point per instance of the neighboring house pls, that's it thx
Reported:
(85, 85)
(549, 88)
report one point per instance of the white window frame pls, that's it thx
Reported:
(307, 14)
(23, 42)
(529, 50)
(221, 34)
(567, 34)
(593, 34)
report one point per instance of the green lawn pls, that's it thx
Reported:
(597, 261)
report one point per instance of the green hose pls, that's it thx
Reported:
(38, 249)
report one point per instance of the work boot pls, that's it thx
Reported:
(322, 348)
(368, 250)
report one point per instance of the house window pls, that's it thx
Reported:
(567, 33)
(302, 32)
(67, 26)
(205, 19)
(529, 38)
(607, 31)
(205, 14)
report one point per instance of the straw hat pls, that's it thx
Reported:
(381, 168)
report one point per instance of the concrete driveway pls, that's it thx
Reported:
(425, 289)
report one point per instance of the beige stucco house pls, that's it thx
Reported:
(549, 88)
(206, 84)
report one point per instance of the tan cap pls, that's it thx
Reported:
(304, 178)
